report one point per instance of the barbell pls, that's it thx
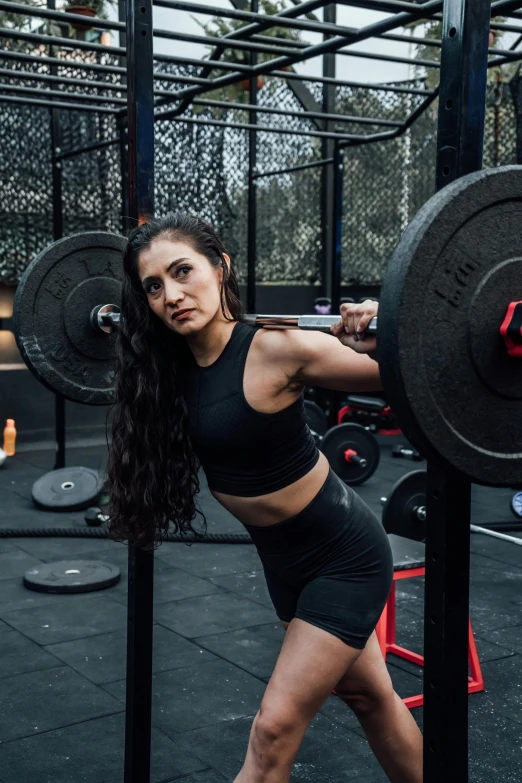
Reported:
(449, 332)
(105, 318)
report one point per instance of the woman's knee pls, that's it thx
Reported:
(365, 701)
(273, 727)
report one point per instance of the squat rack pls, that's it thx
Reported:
(464, 53)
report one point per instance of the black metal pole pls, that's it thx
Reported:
(327, 180)
(302, 167)
(141, 562)
(56, 144)
(126, 223)
(337, 222)
(462, 89)
(328, 46)
(459, 152)
(252, 205)
(121, 124)
(73, 96)
(336, 219)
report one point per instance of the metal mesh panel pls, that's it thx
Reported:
(91, 181)
(26, 225)
(25, 182)
(92, 193)
(204, 169)
(385, 184)
(289, 228)
(288, 236)
(500, 135)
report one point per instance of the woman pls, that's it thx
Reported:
(196, 386)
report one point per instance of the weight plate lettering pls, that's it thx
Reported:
(72, 576)
(53, 302)
(67, 489)
(445, 368)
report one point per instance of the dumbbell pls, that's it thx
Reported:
(352, 452)
(408, 453)
(350, 455)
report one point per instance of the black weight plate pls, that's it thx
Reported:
(316, 417)
(53, 302)
(72, 576)
(399, 512)
(447, 374)
(351, 436)
(67, 489)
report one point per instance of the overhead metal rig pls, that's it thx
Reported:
(53, 90)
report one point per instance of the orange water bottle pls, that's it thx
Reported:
(9, 437)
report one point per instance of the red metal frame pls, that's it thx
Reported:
(386, 636)
(385, 412)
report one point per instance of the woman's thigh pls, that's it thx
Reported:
(366, 683)
(363, 685)
(309, 665)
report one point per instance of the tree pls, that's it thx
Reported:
(218, 27)
(19, 21)
(14, 21)
(433, 29)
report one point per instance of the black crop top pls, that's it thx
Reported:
(243, 452)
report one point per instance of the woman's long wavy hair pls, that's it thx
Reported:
(153, 470)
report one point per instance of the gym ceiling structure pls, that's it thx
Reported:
(459, 154)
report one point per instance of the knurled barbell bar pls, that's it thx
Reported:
(446, 316)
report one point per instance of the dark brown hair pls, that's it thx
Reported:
(153, 470)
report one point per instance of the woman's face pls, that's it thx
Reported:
(182, 286)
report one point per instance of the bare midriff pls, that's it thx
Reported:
(268, 509)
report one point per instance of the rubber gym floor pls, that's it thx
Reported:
(62, 674)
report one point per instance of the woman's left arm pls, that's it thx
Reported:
(318, 359)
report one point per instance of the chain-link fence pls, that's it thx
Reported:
(387, 182)
(25, 183)
(204, 169)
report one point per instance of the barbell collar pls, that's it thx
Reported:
(420, 513)
(104, 318)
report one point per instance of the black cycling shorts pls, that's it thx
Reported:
(330, 565)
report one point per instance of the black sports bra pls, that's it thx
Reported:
(243, 452)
